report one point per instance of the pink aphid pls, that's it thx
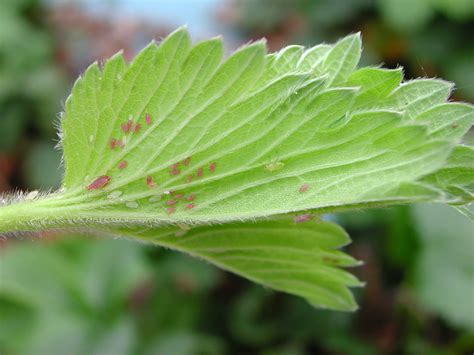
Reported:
(171, 202)
(113, 143)
(149, 182)
(122, 164)
(190, 206)
(99, 183)
(174, 166)
(186, 161)
(120, 143)
(170, 210)
(148, 119)
(199, 172)
(178, 196)
(175, 172)
(137, 127)
(189, 178)
(126, 126)
(190, 198)
(302, 218)
(304, 188)
(212, 167)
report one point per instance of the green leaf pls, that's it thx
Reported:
(302, 259)
(182, 136)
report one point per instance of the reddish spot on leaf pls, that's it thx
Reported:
(148, 119)
(212, 167)
(120, 143)
(186, 161)
(113, 143)
(190, 198)
(137, 127)
(199, 172)
(190, 206)
(178, 196)
(122, 164)
(170, 210)
(175, 172)
(99, 183)
(171, 202)
(126, 126)
(302, 218)
(304, 188)
(149, 181)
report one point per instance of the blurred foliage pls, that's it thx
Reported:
(102, 296)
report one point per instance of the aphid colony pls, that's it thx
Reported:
(174, 169)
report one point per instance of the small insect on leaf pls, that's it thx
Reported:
(274, 166)
(137, 127)
(170, 202)
(148, 119)
(199, 172)
(186, 161)
(122, 164)
(302, 218)
(126, 126)
(149, 182)
(190, 198)
(99, 183)
(304, 188)
(190, 206)
(170, 210)
(212, 167)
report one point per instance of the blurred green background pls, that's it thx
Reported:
(75, 295)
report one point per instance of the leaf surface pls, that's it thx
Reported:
(302, 259)
(180, 122)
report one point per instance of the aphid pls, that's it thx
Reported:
(178, 195)
(170, 210)
(119, 143)
(174, 166)
(184, 227)
(274, 166)
(302, 218)
(190, 206)
(148, 119)
(113, 143)
(212, 167)
(137, 127)
(131, 204)
(199, 172)
(114, 194)
(175, 172)
(190, 198)
(155, 198)
(149, 181)
(99, 183)
(186, 161)
(126, 126)
(189, 178)
(122, 164)
(31, 195)
(304, 188)
(167, 192)
(170, 202)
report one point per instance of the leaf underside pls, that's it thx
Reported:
(242, 136)
(181, 136)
